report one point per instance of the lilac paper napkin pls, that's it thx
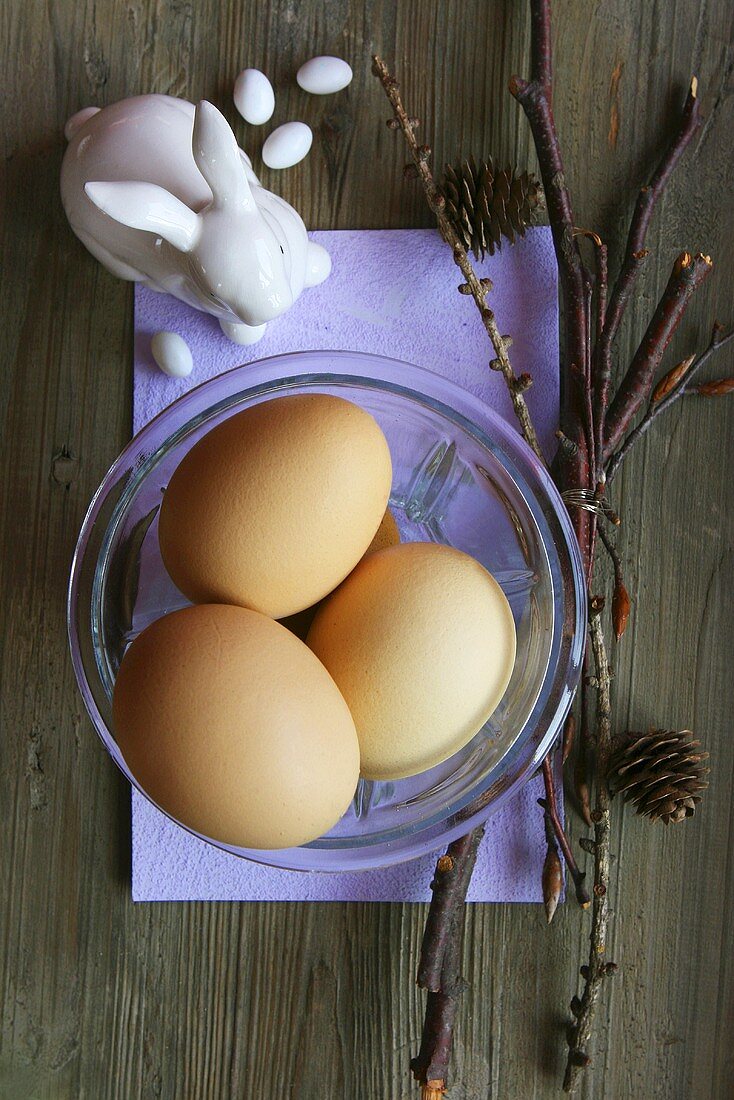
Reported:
(391, 292)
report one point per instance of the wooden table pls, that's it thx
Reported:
(103, 999)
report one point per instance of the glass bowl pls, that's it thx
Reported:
(462, 476)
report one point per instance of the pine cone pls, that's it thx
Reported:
(486, 205)
(660, 772)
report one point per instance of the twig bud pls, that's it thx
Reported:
(487, 284)
(620, 608)
(414, 123)
(584, 971)
(522, 382)
(670, 380)
(410, 172)
(552, 881)
(581, 786)
(579, 1058)
(576, 1005)
(518, 87)
(718, 388)
(587, 844)
(424, 152)
(393, 123)
(464, 288)
(610, 969)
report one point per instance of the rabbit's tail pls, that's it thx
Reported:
(77, 121)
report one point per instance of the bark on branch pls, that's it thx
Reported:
(477, 288)
(687, 275)
(635, 251)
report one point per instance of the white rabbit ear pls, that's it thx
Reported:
(218, 158)
(149, 207)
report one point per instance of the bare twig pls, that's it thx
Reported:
(601, 280)
(584, 1007)
(569, 736)
(550, 806)
(584, 450)
(601, 286)
(440, 965)
(552, 877)
(688, 273)
(581, 781)
(584, 746)
(430, 1067)
(620, 599)
(679, 389)
(535, 97)
(449, 886)
(635, 251)
(477, 288)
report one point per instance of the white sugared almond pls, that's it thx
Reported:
(254, 97)
(287, 145)
(172, 354)
(324, 75)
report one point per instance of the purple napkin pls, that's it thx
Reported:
(391, 292)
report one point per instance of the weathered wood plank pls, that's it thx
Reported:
(103, 999)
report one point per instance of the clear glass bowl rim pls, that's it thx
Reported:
(461, 406)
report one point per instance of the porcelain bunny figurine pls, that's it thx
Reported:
(160, 193)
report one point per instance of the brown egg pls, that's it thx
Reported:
(234, 728)
(275, 506)
(387, 535)
(420, 640)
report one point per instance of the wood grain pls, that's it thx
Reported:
(102, 999)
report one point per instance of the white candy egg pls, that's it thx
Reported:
(172, 354)
(324, 75)
(254, 97)
(287, 145)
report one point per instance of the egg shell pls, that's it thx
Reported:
(420, 640)
(324, 75)
(387, 535)
(276, 505)
(254, 97)
(172, 354)
(234, 728)
(287, 144)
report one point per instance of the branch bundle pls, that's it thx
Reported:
(598, 430)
